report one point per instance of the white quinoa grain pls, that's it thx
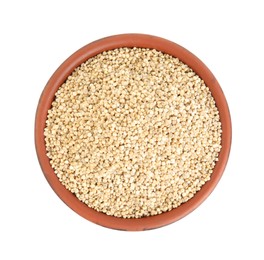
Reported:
(133, 132)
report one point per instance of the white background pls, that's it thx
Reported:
(37, 36)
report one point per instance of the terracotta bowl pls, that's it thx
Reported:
(59, 77)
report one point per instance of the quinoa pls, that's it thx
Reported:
(133, 132)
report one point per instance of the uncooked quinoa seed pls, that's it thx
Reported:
(133, 132)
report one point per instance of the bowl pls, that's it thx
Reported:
(59, 77)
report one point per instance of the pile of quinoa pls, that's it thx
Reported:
(133, 132)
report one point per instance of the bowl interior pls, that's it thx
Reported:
(59, 77)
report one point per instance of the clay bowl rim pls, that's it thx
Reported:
(90, 50)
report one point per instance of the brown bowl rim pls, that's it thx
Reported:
(113, 42)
